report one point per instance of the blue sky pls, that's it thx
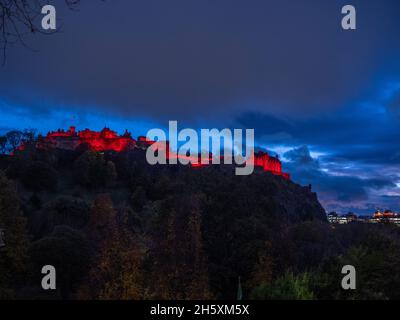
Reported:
(326, 100)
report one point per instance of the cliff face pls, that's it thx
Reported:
(261, 195)
(205, 225)
(298, 203)
(247, 219)
(264, 192)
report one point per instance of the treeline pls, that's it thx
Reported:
(10, 141)
(117, 228)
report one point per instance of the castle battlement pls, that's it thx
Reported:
(108, 140)
(104, 140)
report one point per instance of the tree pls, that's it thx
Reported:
(40, 176)
(93, 171)
(14, 139)
(178, 252)
(138, 199)
(377, 263)
(68, 251)
(198, 285)
(263, 270)
(287, 287)
(102, 226)
(13, 256)
(29, 136)
(110, 173)
(117, 270)
(63, 210)
(116, 274)
(3, 144)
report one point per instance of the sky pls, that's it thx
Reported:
(327, 101)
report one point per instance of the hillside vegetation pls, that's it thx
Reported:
(116, 228)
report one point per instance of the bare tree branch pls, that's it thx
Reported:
(19, 18)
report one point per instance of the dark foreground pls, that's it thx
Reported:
(116, 228)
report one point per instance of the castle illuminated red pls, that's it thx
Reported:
(108, 140)
(105, 140)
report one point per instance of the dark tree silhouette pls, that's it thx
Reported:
(14, 139)
(29, 136)
(13, 254)
(3, 144)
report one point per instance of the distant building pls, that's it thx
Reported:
(332, 217)
(364, 219)
(351, 217)
(386, 216)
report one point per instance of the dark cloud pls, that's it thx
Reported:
(283, 67)
(363, 133)
(394, 104)
(357, 151)
(335, 191)
(301, 157)
(188, 59)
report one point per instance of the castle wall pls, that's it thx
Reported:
(108, 140)
(105, 140)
